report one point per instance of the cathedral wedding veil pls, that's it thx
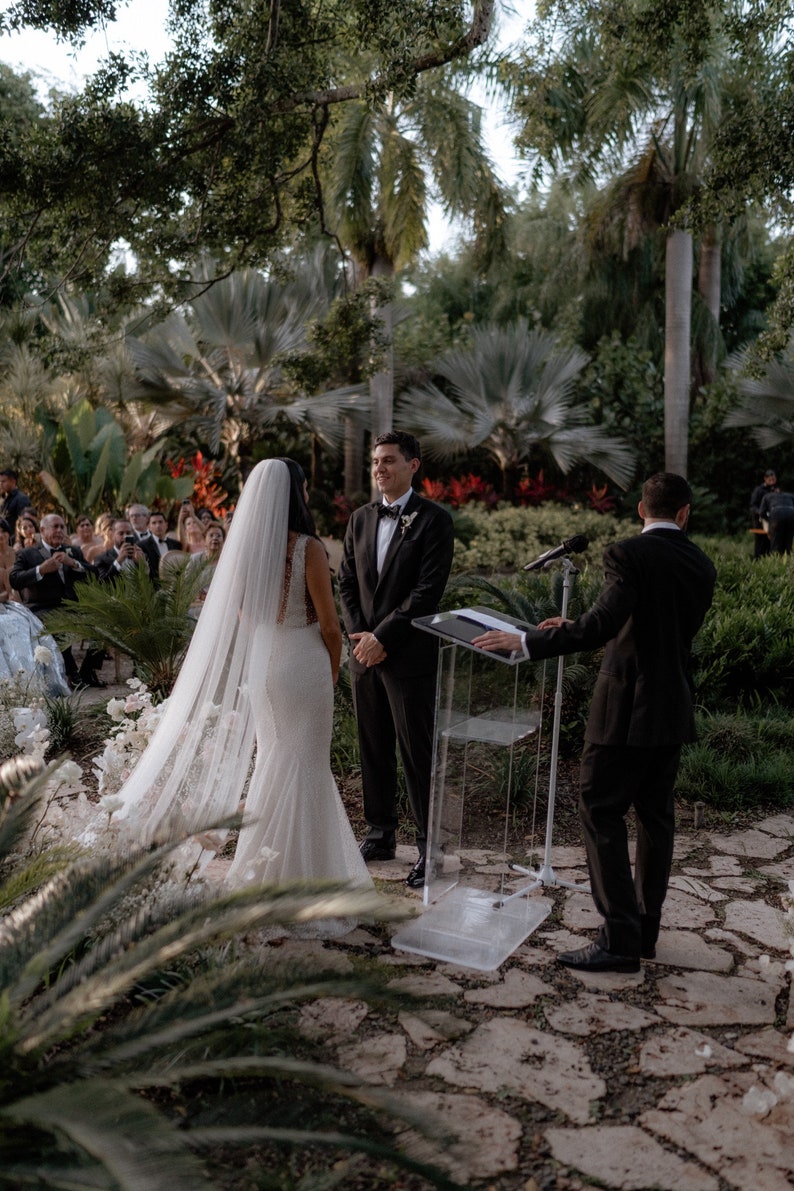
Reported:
(194, 770)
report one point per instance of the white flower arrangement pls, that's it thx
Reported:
(42, 656)
(137, 716)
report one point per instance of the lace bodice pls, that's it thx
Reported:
(297, 609)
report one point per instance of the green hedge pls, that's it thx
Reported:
(504, 539)
(743, 657)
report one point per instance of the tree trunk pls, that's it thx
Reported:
(710, 270)
(677, 367)
(710, 289)
(381, 385)
(354, 459)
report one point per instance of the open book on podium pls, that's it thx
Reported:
(466, 918)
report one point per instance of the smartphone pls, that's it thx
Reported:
(129, 539)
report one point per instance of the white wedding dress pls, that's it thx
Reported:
(255, 685)
(295, 825)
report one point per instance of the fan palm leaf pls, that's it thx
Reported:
(512, 393)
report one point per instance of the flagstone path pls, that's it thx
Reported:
(677, 1078)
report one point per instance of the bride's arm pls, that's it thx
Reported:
(318, 581)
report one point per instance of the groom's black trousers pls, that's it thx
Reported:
(388, 709)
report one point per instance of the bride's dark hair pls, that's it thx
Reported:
(299, 518)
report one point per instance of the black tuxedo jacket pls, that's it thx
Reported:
(50, 590)
(658, 588)
(411, 583)
(152, 553)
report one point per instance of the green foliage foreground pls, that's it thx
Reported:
(125, 1027)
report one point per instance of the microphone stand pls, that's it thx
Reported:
(546, 875)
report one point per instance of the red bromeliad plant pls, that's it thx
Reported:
(461, 490)
(534, 490)
(207, 492)
(434, 489)
(599, 501)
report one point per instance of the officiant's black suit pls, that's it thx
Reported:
(395, 700)
(658, 588)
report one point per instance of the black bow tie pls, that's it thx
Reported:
(389, 511)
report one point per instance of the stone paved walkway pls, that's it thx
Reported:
(677, 1078)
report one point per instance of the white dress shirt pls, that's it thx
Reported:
(388, 525)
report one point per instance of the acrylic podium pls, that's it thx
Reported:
(468, 917)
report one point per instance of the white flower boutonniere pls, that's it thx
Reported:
(406, 521)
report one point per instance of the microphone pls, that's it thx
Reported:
(573, 545)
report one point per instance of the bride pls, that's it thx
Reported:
(259, 673)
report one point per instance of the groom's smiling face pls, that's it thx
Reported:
(392, 471)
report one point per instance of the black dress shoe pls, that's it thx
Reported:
(594, 958)
(378, 849)
(648, 951)
(416, 877)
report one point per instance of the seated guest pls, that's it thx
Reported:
(7, 553)
(205, 517)
(158, 527)
(25, 648)
(27, 534)
(208, 557)
(84, 535)
(103, 533)
(46, 575)
(125, 552)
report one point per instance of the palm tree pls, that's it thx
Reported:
(512, 394)
(384, 157)
(625, 87)
(216, 372)
(766, 407)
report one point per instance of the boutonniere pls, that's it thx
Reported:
(406, 521)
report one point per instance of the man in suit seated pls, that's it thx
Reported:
(158, 528)
(658, 588)
(125, 552)
(46, 576)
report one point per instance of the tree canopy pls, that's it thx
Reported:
(224, 153)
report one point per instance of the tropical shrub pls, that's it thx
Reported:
(740, 761)
(123, 1008)
(150, 624)
(745, 650)
(506, 538)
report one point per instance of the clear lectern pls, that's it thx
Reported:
(468, 917)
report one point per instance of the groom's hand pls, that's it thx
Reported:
(368, 649)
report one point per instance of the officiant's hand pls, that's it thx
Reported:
(368, 649)
(496, 639)
(554, 622)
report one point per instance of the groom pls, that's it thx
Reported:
(396, 561)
